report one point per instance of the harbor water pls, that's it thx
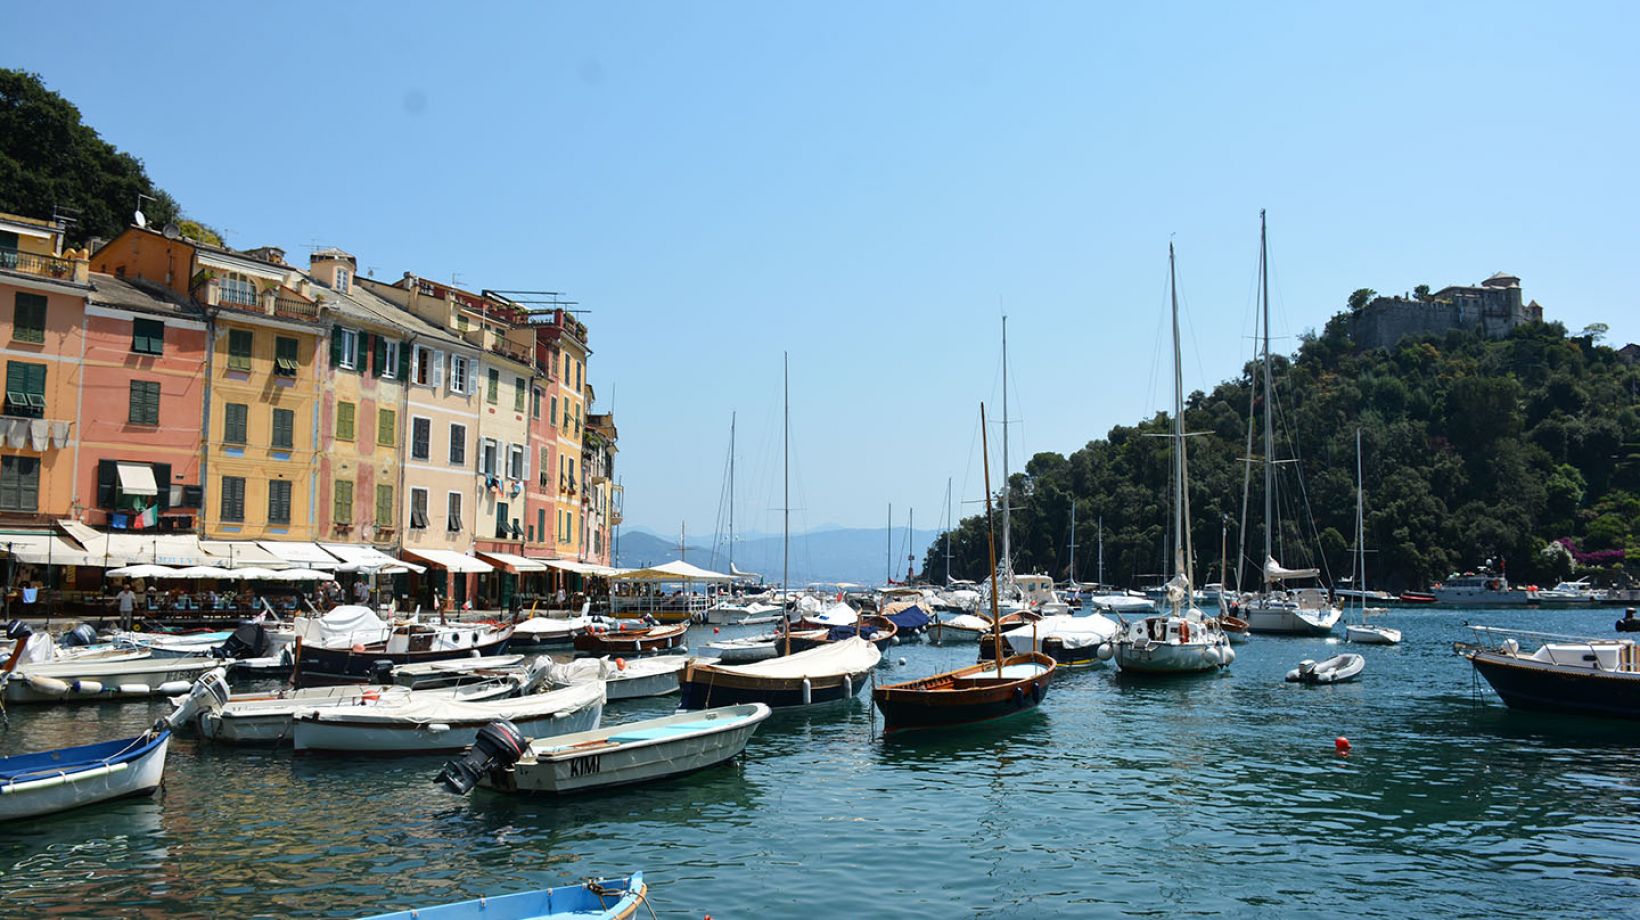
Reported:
(1216, 795)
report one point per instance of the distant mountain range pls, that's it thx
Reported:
(828, 555)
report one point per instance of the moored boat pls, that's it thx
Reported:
(1569, 674)
(351, 645)
(623, 679)
(92, 680)
(640, 641)
(433, 725)
(52, 781)
(595, 899)
(1334, 670)
(833, 671)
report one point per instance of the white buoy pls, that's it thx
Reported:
(902, 661)
(1104, 651)
(133, 689)
(808, 692)
(86, 687)
(173, 687)
(50, 686)
(438, 727)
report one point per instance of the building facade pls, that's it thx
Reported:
(1492, 307)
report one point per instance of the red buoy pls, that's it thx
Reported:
(1341, 744)
(715, 630)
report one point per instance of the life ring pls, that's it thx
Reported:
(1184, 631)
(1492, 585)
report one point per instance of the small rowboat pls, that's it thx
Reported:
(434, 725)
(53, 781)
(638, 752)
(972, 694)
(595, 899)
(1334, 670)
(631, 641)
(879, 631)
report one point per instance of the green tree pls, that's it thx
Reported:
(1360, 297)
(1421, 292)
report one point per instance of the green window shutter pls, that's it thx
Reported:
(235, 416)
(518, 394)
(239, 349)
(385, 425)
(377, 365)
(148, 336)
(404, 361)
(29, 324)
(335, 346)
(384, 506)
(343, 510)
(495, 387)
(361, 355)
(344, 421)
(144, 409)
(284, 428)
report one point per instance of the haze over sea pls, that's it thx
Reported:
(1217, 796)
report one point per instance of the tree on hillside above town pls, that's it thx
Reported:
(52, 162)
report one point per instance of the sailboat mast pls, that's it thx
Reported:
(888, 578)
(1007, 551)
(1181, 536)
(1072, 575)
(731, 495)
(910, 546)
(1269, 406)
(1360, 525)
(786, 492)
(991, 543)
(949, 524)
(1101, 549)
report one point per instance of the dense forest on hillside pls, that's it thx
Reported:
(1524, 451)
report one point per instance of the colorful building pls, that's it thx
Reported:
(604, 494)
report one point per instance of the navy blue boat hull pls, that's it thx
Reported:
(1590, 693)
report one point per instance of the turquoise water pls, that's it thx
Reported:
(1212, 796)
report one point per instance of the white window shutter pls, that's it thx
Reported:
(438, 368)
(525, 451)
(472, 376)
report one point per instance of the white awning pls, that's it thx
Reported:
(117, 549)
(513, 563)
(297, 553)
(451, 561)
(676, 570)
(45, 549)
(239, 554)
(581, 568)
(358, 557)
(137, 479)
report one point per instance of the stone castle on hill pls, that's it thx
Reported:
(1493, 307)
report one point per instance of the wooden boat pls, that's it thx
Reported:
(1334, 670)
(833, 671)
(640, 641)
(1568, 674)
(1003, 687)
(1234, 628)
(317, 666)
(1071, 641)
(600, 899)
(637, 752)
(879, 631)
(911, 618)
(51, 781)
(422, 726)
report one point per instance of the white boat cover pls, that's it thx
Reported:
(967, 621)
(343, 625)
(835, 614)
(1275, 571)
(421, 711)
(586, 670)
(1071, 631)
(848, 656)
(543, 627)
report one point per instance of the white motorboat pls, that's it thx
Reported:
(172, 645)
(91, 680)
(624, 678)
(427, 675)
(52, 781)
(1368, 634)
(421, 726)
(1566, 674)
(637, 752)
(747, 649)
(1334, 670)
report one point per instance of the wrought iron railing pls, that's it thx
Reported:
(34, 264)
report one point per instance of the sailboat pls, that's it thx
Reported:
(1180, 640)
(1365, 632)
(978, 692)
(833, 671)
(1306, 611)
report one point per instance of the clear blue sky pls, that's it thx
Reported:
(864, 184)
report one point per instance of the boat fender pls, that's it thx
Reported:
(1036, 692)
(1229, 654)
(173, 687)
(848, 686)
(620, 664)
(474, 653)
(137, 689)
(438, 727)
(902, 661)
(1104, 651)
(1210, 655)
(50, 686)
(1511, 646)
(1019, 696)
(808, 692)
(1292, 676)
(85, 687)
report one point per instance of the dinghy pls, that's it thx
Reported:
(831, 672)
(51, 781)
(1368, 634)
(619, 755)
(742, 651)
(600, 899)
(623, 679)
(627, 642)
(424, 726)
(1334, 670)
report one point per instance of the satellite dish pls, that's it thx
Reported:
(141, 221)
(172, 231)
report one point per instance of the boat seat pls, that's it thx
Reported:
(664, 731)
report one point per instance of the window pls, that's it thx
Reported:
(233, 498)
(239, 349)
(421, 438)
(144, 402)
(460, 370)
(233, 423)
(515, 461)
(344, 349)
(553, 418)
(235, 288)
(386, 425)
(458, 445)
(421, 366)
(343, 276)
(148, 336)
(494, 391)
(342, 512)
(541, 524)
(462, 322)
(518, 394)
(19, 484)
(284, 356)
(501, 529)
(580, 369)
(29, 324)
(387, 358)
(544, 469)
(345, 415)
(25, 389)
(418, 509)
(486, 458)
(535, 402)
(384, 506)
(452, 519)
(284, 429)
(279, 501)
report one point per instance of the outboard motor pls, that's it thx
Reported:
(498, 745)
(249, 640)
(381, 671)
(17, 629)
(83, 634)
(208, 694)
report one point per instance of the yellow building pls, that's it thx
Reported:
(569, 417)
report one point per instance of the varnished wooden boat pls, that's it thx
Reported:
(879, 631)
(973, 694)
(829, 672)
(631, 641)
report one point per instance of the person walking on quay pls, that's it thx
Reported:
(361, 592)
(127, 605)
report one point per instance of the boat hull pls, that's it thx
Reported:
(703, 687)
(374, 736)
(631, 642)
(1290, 621)
(1165, 658)
(1372, 635)
(91, 681)
(966, 695)
(1538, 686)
(604, 899)
(319, 667)
(34, 794)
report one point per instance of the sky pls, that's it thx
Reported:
(868, 187)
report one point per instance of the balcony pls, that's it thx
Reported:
(290, 305)
(276, 301)
(513, 350)
(30, 263)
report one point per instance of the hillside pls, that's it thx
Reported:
(1523, 450)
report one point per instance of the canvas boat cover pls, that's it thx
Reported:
(834, 659)
(1275, 571)
(908, 616)
(588, 670)
(416, 712)
(343, 626)
(835, 614)
(540, 627)
(1073, 632)
(967, 621)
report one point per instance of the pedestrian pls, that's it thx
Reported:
(361, 591)
(558, 599)
(128, 605)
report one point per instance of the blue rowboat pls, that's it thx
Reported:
(604, 899)
(53, 781)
